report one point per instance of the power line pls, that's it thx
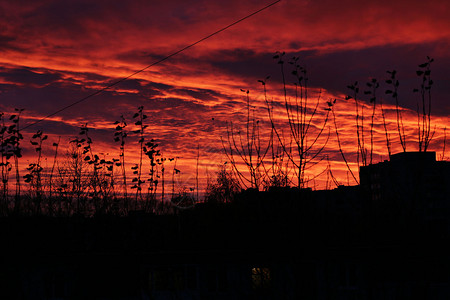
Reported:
(149, 66)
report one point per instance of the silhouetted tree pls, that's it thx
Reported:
(424, 117)
(393, 81)
(35, 171)
(306, 131)
(120, 136)
(223, 188)
(246, 147)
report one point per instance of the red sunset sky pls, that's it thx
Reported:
(54, 53)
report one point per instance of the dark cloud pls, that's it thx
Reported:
(56, 128)
(250, 67)
(85, 77)
(177, 104)
(335, 71)
(131, 84)
(197, 94)
(28, 76)
(161, 86)
(228, 105)
(7, 43)
(6, 86)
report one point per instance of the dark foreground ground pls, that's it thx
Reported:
(281, 244)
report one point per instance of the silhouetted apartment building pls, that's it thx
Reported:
(408, 176)
(386, 238)
(411, 188)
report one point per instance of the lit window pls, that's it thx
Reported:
(261, 278)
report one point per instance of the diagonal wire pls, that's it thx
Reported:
(149, 66)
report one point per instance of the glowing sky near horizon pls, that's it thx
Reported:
(54, 53)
